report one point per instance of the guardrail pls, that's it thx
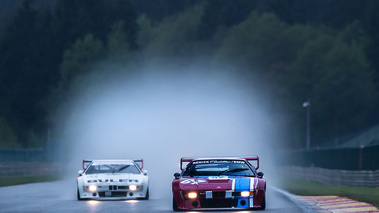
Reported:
(361, 178)
(12, 169)
(360, 158)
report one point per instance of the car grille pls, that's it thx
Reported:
(113, 194)
(217, 195)
(219, 203)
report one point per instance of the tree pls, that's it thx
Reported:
(161, 9)
(332, 14)
(117, 42)
(81, 58)
(224, 13)
(258, 44)
(8, 137)
(175, 36)
(334, 73)
(371, 26)
(75, 18)
(345, 86)
(26, 71)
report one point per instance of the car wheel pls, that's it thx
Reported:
(263, 204)
(174, 205)
(78, 196)
(147, 195)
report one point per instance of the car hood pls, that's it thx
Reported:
(116, 177)
(217, 183)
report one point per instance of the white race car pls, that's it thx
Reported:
(113, 179)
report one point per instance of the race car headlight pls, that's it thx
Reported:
(192, 195)
(246, 193)
(133, 187)
(92, 188)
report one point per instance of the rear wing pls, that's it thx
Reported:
(139, 162)
(184, 160)
(252, 158)
(86, 163)
(248, 158)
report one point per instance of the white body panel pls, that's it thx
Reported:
(113, 186)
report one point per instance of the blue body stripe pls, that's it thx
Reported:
(242, 184)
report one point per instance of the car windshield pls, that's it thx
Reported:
(218, 168)
(96, 168)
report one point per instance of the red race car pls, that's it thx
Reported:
(219, 183)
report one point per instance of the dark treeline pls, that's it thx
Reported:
(323, 51)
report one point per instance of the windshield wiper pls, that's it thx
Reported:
(233, 170)
(121, 168)
(196, 174)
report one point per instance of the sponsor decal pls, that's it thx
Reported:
(112, 162)
(218, 161)
(218, 177)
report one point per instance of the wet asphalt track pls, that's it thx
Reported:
(60, 196)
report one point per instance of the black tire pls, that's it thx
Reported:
(147, 195)
(78, 195)
(263, 205)
(174, 205)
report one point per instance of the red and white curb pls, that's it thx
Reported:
(336, 204)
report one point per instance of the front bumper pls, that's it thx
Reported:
(113, 192)
(209, 200)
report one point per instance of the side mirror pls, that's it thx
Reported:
(260, 174)
(177, 175)
(80, 172)
(144, 172)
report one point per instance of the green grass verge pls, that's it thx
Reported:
(9, 181)
(308, 188)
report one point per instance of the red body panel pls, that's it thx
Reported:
(218, 192)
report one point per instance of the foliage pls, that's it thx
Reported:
(75, 18)
(323, 72)
(81, 57)
(254, 44)
(295, 50)
(10, 181)
(33, 44)
(26, 70)
(174, 36)
(117, 42)
(306, 63)
(7, 135)
(224, 13)
(162, 9)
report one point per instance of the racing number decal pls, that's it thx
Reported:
(188, 181)
(191, 181)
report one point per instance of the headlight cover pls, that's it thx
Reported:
(133, 187)
(246, 193)
(192, 195)
(92, 188)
